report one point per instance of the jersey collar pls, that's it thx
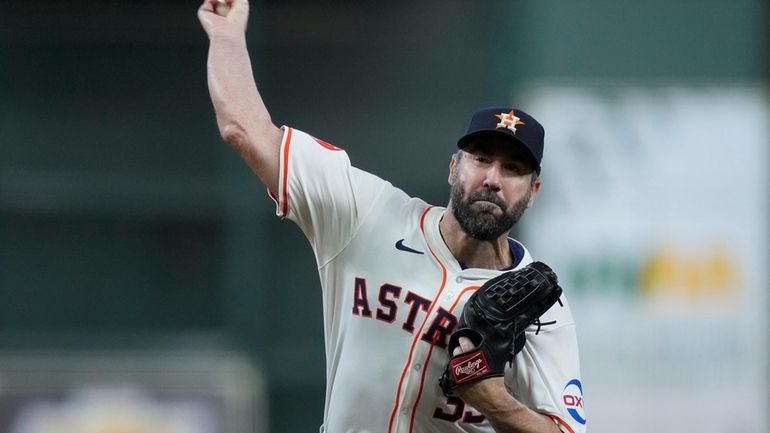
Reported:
(441, 253)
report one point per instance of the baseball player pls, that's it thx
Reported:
(400, 276)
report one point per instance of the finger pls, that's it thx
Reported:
(239, 10)
(222, 8)
(242, 4)
(464, 345)
(207, 6)
(205, 11)
(208, 16)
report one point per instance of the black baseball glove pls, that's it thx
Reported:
(494, 319)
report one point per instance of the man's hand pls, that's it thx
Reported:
(233, 24)
(465, 346)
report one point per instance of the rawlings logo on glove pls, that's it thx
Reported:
(468, 368)
(494, 319)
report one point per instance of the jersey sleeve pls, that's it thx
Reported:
(322, 193)
(545, 375)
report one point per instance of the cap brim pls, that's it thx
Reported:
(465, 140)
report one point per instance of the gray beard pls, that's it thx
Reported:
(485, 227)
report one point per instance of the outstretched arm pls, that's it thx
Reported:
(242, 117)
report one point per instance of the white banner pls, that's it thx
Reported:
(131, 392)
(654, 213)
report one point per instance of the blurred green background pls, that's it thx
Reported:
(125, 222)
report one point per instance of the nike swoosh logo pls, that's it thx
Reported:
(400, 246)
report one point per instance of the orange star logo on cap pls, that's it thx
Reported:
(508, 120)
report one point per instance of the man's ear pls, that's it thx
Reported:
(452, 169)
(535, 189)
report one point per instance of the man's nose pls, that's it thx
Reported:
(493, 177)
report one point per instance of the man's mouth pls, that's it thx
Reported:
(486, 206)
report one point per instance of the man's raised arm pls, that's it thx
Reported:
(242, 117)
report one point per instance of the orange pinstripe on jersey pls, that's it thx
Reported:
(561, 422)
(285, 179)
(422, 385)
(460, 296)
(419, 332)
(430, 353)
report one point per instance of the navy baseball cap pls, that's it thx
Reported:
(510, 123)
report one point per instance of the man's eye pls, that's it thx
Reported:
(513, 168)
(482, 159)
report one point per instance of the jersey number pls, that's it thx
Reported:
(457, 412)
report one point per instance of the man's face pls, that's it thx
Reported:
(491, 187)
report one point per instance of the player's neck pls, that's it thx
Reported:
(473, 253)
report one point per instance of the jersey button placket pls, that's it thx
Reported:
(411, 389)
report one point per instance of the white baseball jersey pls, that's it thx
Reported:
(392, 294)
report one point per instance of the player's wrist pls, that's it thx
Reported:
(227, 35)
(488, 396)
